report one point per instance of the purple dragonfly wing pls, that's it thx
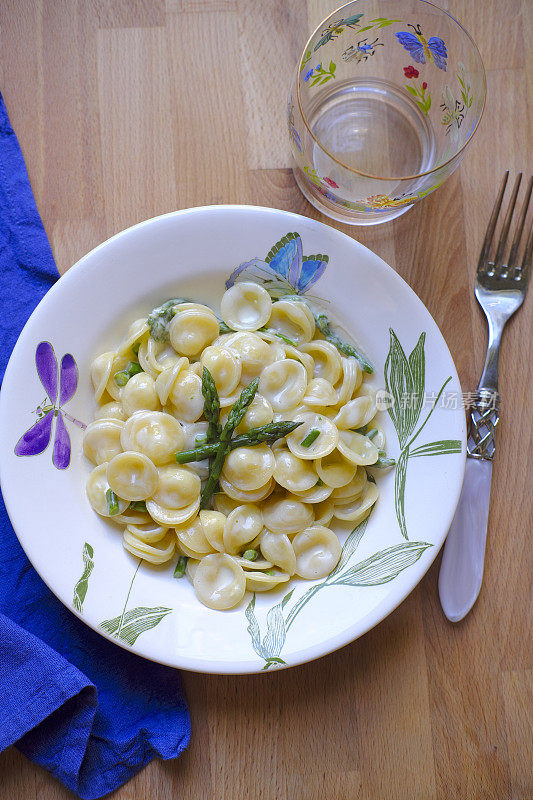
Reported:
(68, 378)
(61, 455)
(46, 363)
(37, 438)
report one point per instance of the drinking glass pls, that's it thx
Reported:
(386, 97)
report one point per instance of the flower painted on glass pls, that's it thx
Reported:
(418, 93)
(411, 72)
(285, 269)
(38, 437)
(308, 74)
(331, 183)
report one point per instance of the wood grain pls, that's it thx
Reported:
(130, 108)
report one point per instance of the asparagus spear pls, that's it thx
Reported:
(159, 318)
(211, 406)
(265, 433)
(123, 376)
(235, 417)
(324, 326)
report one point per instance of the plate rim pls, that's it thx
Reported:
(384, 609)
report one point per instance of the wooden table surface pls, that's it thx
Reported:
(126, 109)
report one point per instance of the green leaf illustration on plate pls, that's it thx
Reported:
(405, 382)
(80, 590)
(274, 639)
(129, 625)
(382, 567)
(378, 569)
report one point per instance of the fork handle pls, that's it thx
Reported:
(489, 377)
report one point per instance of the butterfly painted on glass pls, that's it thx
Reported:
(60, 388)
(336, 28)
(422, 49)
(285, 269)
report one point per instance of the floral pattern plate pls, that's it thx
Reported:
(47, 398)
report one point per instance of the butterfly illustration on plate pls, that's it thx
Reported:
(38, 437)
(422, 49)
(285, 269)
(336, 28)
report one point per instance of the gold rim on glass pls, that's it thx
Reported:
(388, 177)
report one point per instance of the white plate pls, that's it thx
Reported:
(80, 555)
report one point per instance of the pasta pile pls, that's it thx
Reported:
(268, 521)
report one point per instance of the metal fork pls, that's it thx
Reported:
(501, 286)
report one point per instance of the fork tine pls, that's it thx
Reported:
(513, 254)
(487, 241)
(526, 261)
(498, 258)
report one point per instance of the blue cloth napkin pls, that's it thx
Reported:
(80, 706)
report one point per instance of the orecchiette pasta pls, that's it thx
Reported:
(264, 581)
(283, 383)
(192, 540)
(242, 526)
(277, 548)
(224, 366)
(358, 509)
(326, 358)
(251, 496)
(139, 394)
(249, 468)
(132, 476)
(246, 307)
(102, 440)
(219, 582)
(357, 448)
(157, 553)
(317, 551)
(112, 410)
(149, 532)
(100, 373)
(166, 378)
(293, 473)
(192, 329)
(137, 331)
(293, 320)
(315, 438)
(213, 524)
(154, 434)
(98, 493)
(335, 470)
(186, 396)
(286, 515)
(159, 443)
(252, 352)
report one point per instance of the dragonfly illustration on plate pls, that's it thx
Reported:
(60, 385)
(422, 49)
